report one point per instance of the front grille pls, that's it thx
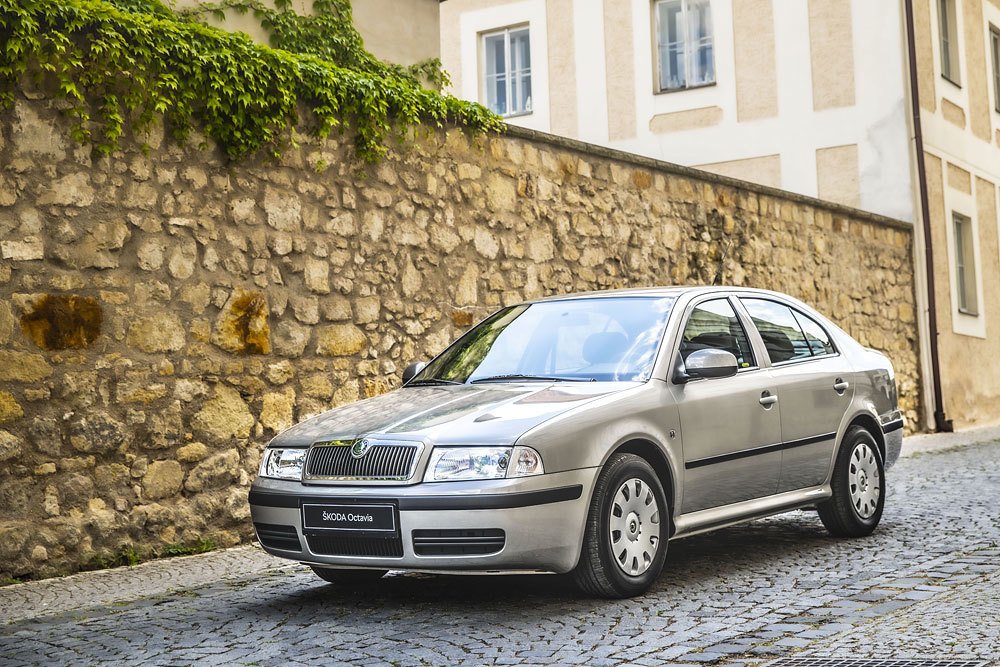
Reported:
(873, 662)
(458, 542)
(337, 545)
(278, 537)
(385, 461)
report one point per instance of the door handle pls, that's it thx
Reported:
(840, 386)
(767, 399)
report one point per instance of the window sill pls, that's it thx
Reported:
(951, 81)
(519, 114)
(671, 91)
(968, 313)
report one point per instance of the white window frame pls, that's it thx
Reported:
(688, 51)
(993, 38)
(966, 273)
(948, 41)
(964, 204)
(509, 78)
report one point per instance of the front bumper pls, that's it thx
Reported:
(542, 518)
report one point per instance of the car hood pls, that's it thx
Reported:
(484, 414)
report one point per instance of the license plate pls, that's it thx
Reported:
(349, 517)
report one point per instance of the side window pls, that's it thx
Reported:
(714, 325)
(781, 333)
(816, 336)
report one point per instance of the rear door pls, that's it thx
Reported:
(729, 426)
(815, 385)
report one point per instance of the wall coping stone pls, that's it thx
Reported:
(595, 150)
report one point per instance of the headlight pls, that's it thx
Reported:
(452, 464)
(282, 463)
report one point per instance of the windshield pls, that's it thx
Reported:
(599, 339)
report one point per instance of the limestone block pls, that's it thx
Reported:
(35, 136)
(27, 249)
(162, 479)
(225, 416)
(317, 275)
(283, 210)
(277, 411)
(18, 366)
(157, 333)
(96, 434)
(243, 327)
(467, 291)
(10, 409)
(290, 339)
(339, 340)
(367, 309)
(70, 190)
(195, 451)
(214, 472)
(6, 322)
(10, 446)
(99, 248)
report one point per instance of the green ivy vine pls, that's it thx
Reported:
(119, 62)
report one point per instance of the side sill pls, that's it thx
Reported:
(703, 521)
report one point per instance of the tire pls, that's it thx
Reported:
(619, 518)
(347, 577)
(858, 483)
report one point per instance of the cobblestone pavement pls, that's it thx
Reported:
(926, 585)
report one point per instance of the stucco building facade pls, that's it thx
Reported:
(818, 97)
(398, 32)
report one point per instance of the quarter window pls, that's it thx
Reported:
(685, 43)
(948, 29)
(816, 336)
(965, 266)
(714, 325)
(779, 330)
(507, 70)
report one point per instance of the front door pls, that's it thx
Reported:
(730, 427)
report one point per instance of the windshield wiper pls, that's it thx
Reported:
(516, 377)
(431, 381)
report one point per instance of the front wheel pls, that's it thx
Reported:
(858, 483)
(625, 540)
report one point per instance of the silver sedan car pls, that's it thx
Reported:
(580, 434)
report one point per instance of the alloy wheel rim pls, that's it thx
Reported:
(864, 480)
(634, 524)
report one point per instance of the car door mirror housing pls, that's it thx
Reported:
(412, 370)
(710, 363)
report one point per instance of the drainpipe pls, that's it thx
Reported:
(941, 422)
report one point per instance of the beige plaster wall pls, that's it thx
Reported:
(970, 365)
(831, 50)
(837, 174)
(765, 170)
(753, 46)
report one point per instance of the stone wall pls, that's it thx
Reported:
(163, 313)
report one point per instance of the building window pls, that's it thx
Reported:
(508, 71)
(965, 265)
(684, 44)
(948, 27)
(995, 52)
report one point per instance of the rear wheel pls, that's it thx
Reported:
(858, 483)
(625, 540)
(347, 577)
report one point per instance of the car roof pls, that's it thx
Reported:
(664, 291)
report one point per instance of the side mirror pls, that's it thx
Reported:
(415, 368)
(709, 363)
